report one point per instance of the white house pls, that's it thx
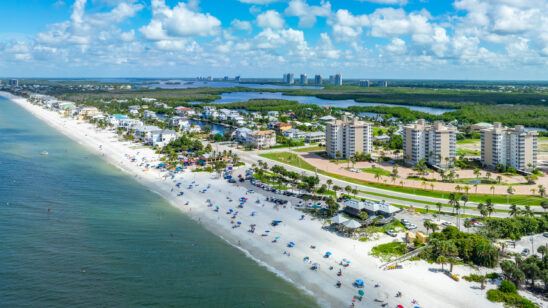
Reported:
(114, 119)
(184, 111)
(143, 132)
(161, 138)
(129, 123)
(134, 109)
(150, 115)
(315, 137)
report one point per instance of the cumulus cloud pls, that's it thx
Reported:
(181, 21)
(307, 13)
(241, 25)
(270, 19)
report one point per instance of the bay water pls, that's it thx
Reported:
(77, 232)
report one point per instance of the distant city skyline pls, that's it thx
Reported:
(361, 39)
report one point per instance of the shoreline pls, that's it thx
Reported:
(416, 280)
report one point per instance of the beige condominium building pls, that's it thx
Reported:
(435, 143)
(348, 137)
(515, 147)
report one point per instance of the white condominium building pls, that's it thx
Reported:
(515, 147)
(345, 138)
(435, 143)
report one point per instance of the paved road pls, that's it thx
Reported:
(251, 157)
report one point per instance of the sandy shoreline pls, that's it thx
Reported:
(415, 281)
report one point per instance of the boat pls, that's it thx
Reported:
(44, 153)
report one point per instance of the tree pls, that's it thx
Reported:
(544, 205)
(464, 199)
(441, 260)
(329, 183)
(426, 208)
(338, 154)
(492, 189)
(363, 217)
(451, 261)
(439, 206)
(541, 191)
(514, 210)
(467, 224)
(427, 225)
(477, 173)
(489, 207)
(453, 201)
(348, 189)
(542, 250)
(499, 179)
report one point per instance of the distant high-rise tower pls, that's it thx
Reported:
(288, 78)
(304, 79)
(331, 79)
(14, 82)
(364, 83)
(338, 79)
(318, 80)
(237, 78)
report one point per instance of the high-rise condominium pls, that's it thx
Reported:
(345, 138)
(434, 143)
(515, 147)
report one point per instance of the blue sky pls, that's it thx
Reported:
(409, 39)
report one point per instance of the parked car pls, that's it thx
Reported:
(546, 234)
(525, 252)
(404, 221)
(391, 232)
(232, 181)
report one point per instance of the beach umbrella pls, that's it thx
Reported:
(316, 265)
(239, 222)
(328, 253)
(267, 231)
(399, 306)
(352, 224)
(217, 207)
(231, 210)
(361, 292)
(339, 219)
(277, 237)
(291, 244)
(359, 282)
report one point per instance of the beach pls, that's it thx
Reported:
(418, 281)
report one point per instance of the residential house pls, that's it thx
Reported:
(129, 123)
(115, 118)
(355, 207)
(184, 111)
(281, 127)
(294, 133)
(161, 138)
(263, 139)
(134, 109)
(315, 137)
(149, 115)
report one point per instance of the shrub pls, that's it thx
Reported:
(509, 299)
(473, 278)
(507, 286)
(492, 275)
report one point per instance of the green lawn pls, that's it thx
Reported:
(468, 152)
(377, 171)
(389, 250)
(468, 141)
(294, 160)
(310, 149)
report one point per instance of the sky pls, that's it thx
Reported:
(366, 39)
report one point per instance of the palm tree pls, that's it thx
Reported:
(541, 191)
(476, 187)
(427, 225)
(464, 199)
(439, 206)
(489, 207)
(329, 183)
(363, 216)
(453, 201)
(493, 189)
(466, 189)
(458, 188)
(451, 261)
(401, 183)
(426, 208)
(499, 179)
(377, 176)
(441, 260)
(477, 173)
(488, 174)
(514, 210)
(533, 191)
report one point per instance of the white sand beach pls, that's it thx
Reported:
(418, 281)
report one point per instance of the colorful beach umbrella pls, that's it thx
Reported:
(361, 292)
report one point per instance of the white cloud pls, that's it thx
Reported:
(346, 26)
(181, 21)
(241, 25)
(270, 19)
(397, 46)
(307, 13)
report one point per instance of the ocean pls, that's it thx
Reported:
(77, 232)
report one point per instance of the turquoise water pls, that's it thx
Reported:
(74, 231)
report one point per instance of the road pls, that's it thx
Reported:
(252, 157)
